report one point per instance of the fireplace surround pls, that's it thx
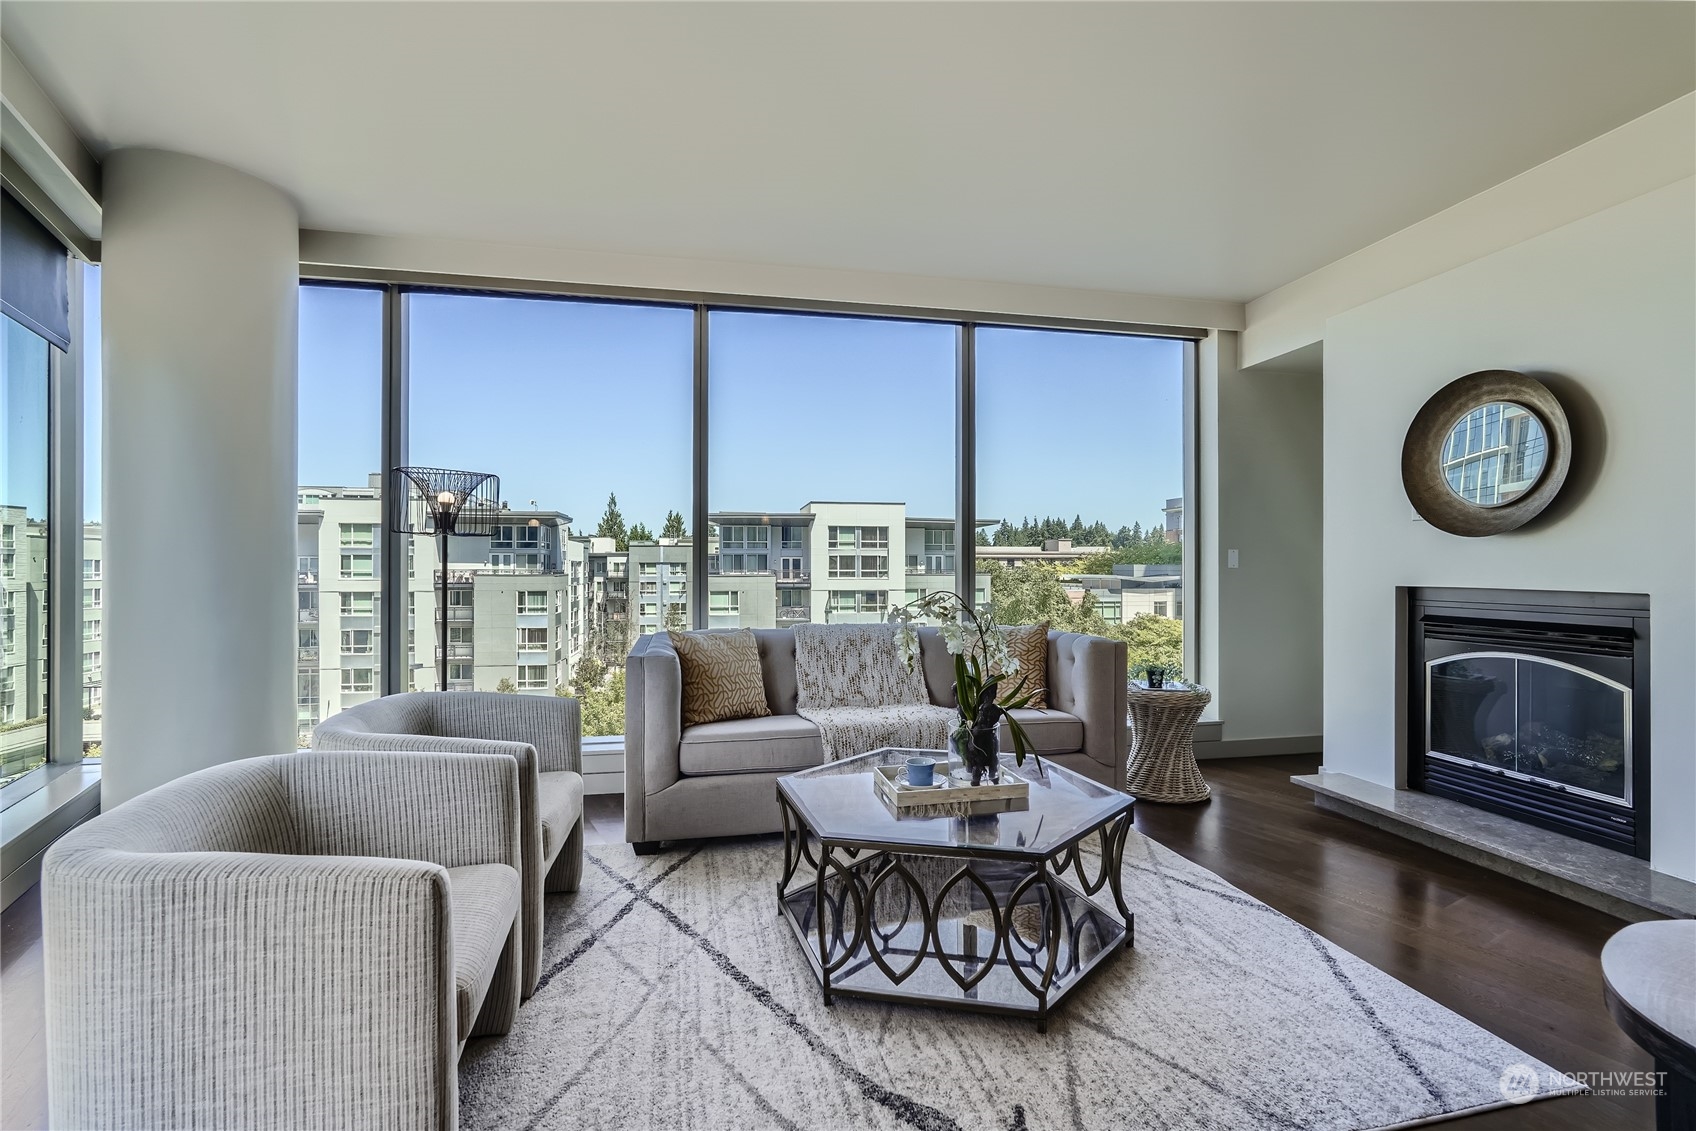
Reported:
(1533, 705)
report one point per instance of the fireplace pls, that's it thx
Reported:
(1534, 705)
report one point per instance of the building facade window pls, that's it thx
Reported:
(532, 677)
(356, 680)
(532, 640)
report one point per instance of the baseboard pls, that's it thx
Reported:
(1259, 747)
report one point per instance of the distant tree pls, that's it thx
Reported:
(676, 618)
(1076, 531)
(1122, 538)
(1097, 534)
(982, 537)
(1136, 534)
(602, 706)
(506, 686)
(1005, 535)
(588, 674)
(673, 527)
(1151, 639)
(612, 524)
(640, 533)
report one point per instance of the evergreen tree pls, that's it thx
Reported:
(673, 527)
(982, 537)
(1005, 535)
(612, 524)
(1122, 539)
(1136, 535)
(640, 533)
(1076, 531)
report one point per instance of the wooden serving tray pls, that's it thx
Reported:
(950, 794)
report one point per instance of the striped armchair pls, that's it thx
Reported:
(543, 733)
(297, 940)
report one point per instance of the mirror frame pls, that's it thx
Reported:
(1422, 453)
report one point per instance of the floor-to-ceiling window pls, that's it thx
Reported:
(829, 481)
(585, 412)
(831, 472)
(1080, 474)
(339, 521)
(24, 377)
(94, 566)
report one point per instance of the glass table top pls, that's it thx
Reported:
(839, 802)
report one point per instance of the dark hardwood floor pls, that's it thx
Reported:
(1522, 963)
(1516, 960)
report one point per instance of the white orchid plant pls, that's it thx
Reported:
(982, 663)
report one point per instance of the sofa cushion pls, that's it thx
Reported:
(1050, 732)
(559, 806)
(1028, 644)
(721, 676)
(750, 746)
(484, 902)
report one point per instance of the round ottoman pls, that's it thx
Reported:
(1162, 762)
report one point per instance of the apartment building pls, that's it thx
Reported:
(1130, 590)
(23, 641)
(517, 616)
(828, 562)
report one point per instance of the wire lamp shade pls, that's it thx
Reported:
(422, 504)
(437, 501)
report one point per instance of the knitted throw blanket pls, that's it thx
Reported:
(852, 685)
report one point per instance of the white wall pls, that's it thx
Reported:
(199, 287)
(1260, 471)
(1604, 310)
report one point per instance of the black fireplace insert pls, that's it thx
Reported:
(1534, 705)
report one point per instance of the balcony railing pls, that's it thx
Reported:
(793, 575)
(456, 652)
(308, 654)
(457, 613)
(309, 616)
(304, 577)
(930, 571)
(795, 612)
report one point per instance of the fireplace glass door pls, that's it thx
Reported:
(1532, 717)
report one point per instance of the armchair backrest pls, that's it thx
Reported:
(233, 807)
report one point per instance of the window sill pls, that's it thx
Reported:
(65, 795)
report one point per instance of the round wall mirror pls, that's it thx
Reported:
(1495, 454)
(1486, 453)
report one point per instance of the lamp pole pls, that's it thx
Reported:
(444, 527)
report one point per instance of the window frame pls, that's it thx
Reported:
(398, 286)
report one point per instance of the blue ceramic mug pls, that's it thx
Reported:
(921, 771)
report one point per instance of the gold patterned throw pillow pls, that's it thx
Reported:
(721, 676)
(1028, 644)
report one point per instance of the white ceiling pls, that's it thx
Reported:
(1208, 150)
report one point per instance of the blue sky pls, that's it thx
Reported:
(568, 401)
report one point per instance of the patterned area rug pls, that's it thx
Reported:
(674, 997)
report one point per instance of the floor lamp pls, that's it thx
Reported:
(434, 500)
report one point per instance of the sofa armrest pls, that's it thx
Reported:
(1086, 678)
(653, 725)
(451, 809)
(201, 989)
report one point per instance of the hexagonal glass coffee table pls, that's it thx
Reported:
(988, 913)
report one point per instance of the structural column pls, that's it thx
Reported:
(199, 289)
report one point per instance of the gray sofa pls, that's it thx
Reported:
(718, 779)
(543, 733)
(297, 940)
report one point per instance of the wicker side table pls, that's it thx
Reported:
(1162, 762)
